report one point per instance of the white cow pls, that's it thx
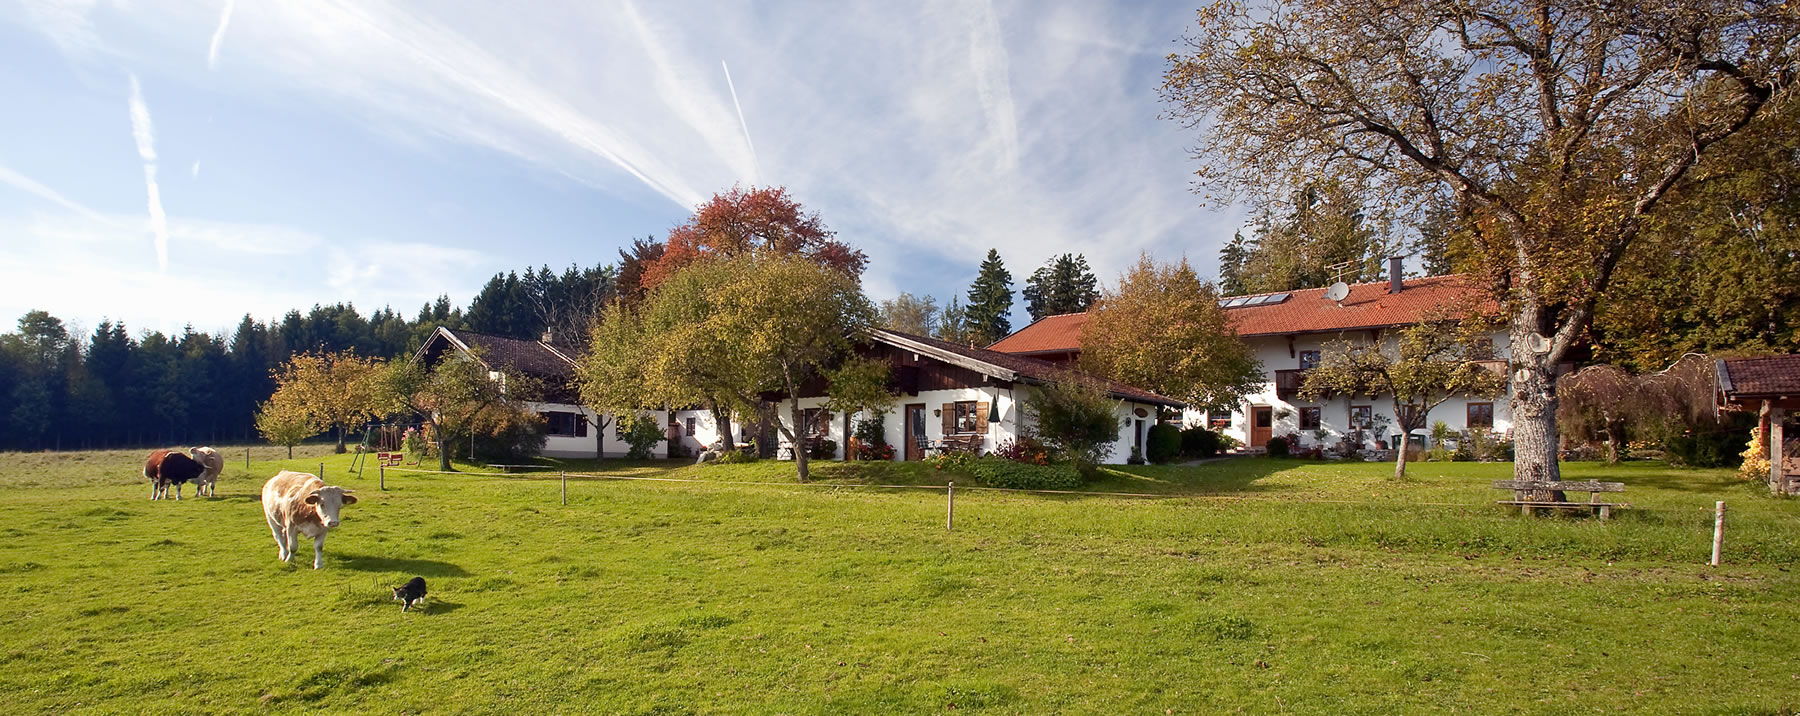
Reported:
(299, 503)
(206, 483)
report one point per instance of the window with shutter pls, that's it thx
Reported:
(949, 415)
(981, 416)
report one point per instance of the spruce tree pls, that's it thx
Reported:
(1231, 265)
(990, 300)
(1064, 284)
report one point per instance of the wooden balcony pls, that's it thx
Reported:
(1288, 382)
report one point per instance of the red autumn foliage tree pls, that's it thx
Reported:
(752, 221)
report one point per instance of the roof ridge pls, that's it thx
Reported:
(1381, 282)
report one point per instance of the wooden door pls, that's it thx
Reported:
(1262, 425)
(914, 435)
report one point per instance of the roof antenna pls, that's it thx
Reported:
(1338, 290)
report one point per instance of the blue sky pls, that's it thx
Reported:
(280, 153)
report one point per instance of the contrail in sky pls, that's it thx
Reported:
(756, 164)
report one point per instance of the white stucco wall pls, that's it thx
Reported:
(1002, 402)
(1334, 415)
(583, 447)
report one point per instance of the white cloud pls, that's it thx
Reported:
(142, 131)
(195, 171)
(923, 132)
(145, 136)
(218, 38)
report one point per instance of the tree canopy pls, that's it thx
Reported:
(1064, 284)
(1563, 127)
(1321, 235)
(333, 390)
(906, 313)
(1161, 328)
(1427, 364)
(990, 301)
(780, 319)
(745, 221)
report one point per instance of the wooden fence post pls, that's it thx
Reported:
(1718, 531)
(950, 507)
(565, 485)
(321, 471)
(383, 470)
(246, 459)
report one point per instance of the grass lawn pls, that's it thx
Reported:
(1254, 584)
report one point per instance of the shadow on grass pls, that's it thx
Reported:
(422, 567)
(1235, 476)
(437, 607)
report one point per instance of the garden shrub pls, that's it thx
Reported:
(510, 436)
(1077, 417)
(1199, 442)
(735, 457)
(871, 439)
(1163, 444)
(824, 449)
(1277, 447)
(1000, 472)
(1026, 448)
(641, 436)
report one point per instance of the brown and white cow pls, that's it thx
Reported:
(206, 484)
(299, 503)
(170, 467)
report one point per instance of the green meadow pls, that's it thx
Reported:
(1266, 586)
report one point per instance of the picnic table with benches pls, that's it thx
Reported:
(1523, 489)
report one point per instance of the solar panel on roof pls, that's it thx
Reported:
(1276, 298)
(1234, 303)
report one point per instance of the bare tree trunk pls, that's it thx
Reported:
(795, 437)
(722, 421)
(1533, 411)
(340, 443)
(1400, 459)
(443, 452)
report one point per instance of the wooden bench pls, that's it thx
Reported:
(962, 443)
(1521, 488)
(390, 459)
(509, 468)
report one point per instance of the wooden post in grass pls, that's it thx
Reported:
(321, 471)
(383, 471)
(246, 459)
(950, 509)
(1718, 531)
(565, 481)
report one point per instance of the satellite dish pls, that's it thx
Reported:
(1337, 292)
(1538, 343)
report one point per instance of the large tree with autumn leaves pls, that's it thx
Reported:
(764, 221)
(1562, 127)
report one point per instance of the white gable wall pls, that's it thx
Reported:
(1334, 415)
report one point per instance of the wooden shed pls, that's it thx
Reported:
(1771, 388)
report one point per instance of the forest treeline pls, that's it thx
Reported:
(118, 387)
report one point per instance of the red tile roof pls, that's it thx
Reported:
(1778, 376)
(1028, 370)
(1369, 305)
(1051, 334)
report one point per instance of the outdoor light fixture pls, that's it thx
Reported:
(937, 412)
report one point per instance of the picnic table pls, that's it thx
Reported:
(1523, 491)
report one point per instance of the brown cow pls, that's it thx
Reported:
(297, 503)
(170, 467)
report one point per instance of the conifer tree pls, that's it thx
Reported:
(990, 301)
(1064, 284)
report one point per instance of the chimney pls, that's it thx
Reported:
(549, 336)
(1394, 276)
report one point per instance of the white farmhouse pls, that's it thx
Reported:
(1287, 331)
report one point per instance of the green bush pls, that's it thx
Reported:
(871, 435)
(735, 457)
(1277, 447)
(641, 436)
(1000, 472)
(1197, 442)
(513, 437)
(1077, 417)
(1163, 444)
(824, 449)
